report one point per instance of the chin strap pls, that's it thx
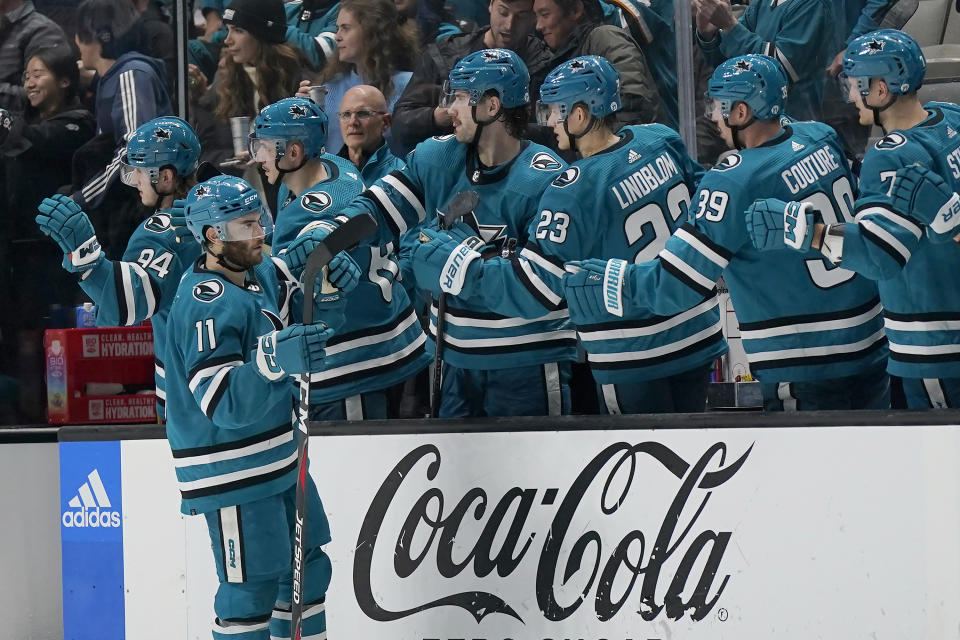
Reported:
(573, 137)
(223, 261)
(878, 110)
(735, 130)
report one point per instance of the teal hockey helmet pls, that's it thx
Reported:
(162, 142)
(757, 81)
(221, 200)
(290, 119)
(888, 54)
(590, 80)
(500, 70)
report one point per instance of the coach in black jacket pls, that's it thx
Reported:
(416, 115)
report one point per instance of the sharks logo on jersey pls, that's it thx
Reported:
(731, 161)
(567, 178)
(543, 161)
(891, 141)
(158, 223)
(208, 290)
(316, 201)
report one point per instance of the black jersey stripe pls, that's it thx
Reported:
(809, 361)
(705, 239)
(236, 444)
(808, 318)
(675, 271)
(640, 363)
(238, 484)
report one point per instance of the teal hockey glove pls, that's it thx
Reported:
(442, 262)
(775, 224)
(295, 349)
(342, 272)
(63, 220)
(925, 196)
(594, 289)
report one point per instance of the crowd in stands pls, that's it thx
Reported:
(71, 100)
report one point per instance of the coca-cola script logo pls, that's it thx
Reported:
(595, 561)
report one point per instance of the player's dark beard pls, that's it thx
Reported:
(238, 255)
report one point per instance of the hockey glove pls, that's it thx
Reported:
(594, 289)
(922, 194)
(6, 122)
(773, 224)
(442, 262)
(63, 220)
(293, 350)
(342, 272)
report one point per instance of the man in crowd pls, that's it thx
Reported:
(416, 115)
(363, 121)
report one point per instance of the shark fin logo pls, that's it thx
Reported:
(316, 201)
(158, 223)
(543, 161)
(567, 178)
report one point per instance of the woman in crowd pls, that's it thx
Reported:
(256, 68)
(373, 48)
(36, 148)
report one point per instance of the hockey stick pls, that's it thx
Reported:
(343, 238)
(899, 14)
(459, 205)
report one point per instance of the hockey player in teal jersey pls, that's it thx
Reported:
(906, 209)
(625, 197)
(232, 352)
(161, 161)
(494, 365)
(383, 343)
(813, 333)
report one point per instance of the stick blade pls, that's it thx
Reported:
(459, 205)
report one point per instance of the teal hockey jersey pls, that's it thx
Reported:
(312, 30)
(382, 342)
(439, 168)
(921, 296)
(800, 317)
(623, 202)
(143, 283)
(231, 431)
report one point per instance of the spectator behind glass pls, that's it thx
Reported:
(22, 31)
(431, 17)
(797, 33)
(363, 122)
(256, 68)
(417, 115)
(372, 48)
(572, 28)
(34, 163)
(158, 38)
(131, 91)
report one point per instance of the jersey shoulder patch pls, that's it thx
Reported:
(443, 138)
(543, 161)
(891, 141)
(732, 161)
(158, 223)
(567, 178)
(316, 201)
(208, 290)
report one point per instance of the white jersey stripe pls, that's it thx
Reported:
(539, 284)
(701, 248)
(242, 474)
(201, 375)
(147, 291)
(480, 343)
(887, 238)
(924, 350)
(408, 195)
(689, 271)
(388, 205)
(893, 217)
(636, 332)
(232, 454)
(377, 338)
(501, 323)
(812, 352)
(325, 41)
(218, 380)
(542, 262)
(328, 374)
(811, 327)
(921, 325)
(658, 351)
(128, 296)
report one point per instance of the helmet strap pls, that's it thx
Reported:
(481, 125)
(735, 130)
(573, 137)
(878, 110)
